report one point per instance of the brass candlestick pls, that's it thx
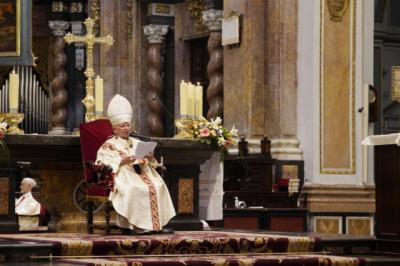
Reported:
(12, 120)
(184, 125)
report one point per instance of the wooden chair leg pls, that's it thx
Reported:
(107, 216)
(90, 216)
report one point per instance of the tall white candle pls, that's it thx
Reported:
(183, 90)
(198, 100)
(14, 92)
(99, 94)
(191, 100)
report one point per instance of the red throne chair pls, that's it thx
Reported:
(98, 177)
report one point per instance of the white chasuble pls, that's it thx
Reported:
(143, 200)
(27, 205)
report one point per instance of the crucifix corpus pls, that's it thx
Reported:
(89, 40)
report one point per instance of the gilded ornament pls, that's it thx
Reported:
(94, 7)
(76, 7)
(396, 83)
(196, 8)
(337, 9)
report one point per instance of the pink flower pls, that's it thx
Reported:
(204, 132)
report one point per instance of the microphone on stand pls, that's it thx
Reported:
(136, 135)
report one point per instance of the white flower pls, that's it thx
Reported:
(3, 126)
(233, 131)
(221, 141)
(218, 120)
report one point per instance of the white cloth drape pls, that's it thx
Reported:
(211, 188)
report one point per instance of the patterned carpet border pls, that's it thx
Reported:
(267, 260)
(182, 242)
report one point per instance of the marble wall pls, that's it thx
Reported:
(245, 93)
(124, 65)
(260, 76)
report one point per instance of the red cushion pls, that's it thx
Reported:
(92, 136)
(283, 182)
(97, 191)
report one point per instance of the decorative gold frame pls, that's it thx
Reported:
(396, 83)
(18, 32)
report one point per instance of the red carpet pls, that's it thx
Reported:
(205, 242)
(196, 248)
(265, 260)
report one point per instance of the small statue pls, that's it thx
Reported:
(26, 207)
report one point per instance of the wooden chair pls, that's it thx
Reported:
(98, 177)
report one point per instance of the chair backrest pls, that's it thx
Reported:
(92, 136)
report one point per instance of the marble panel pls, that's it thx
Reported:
(185, 195)
(4, 191)
(337, 92)
(359, 226)
(328, 224)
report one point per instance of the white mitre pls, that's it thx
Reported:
(119, 110)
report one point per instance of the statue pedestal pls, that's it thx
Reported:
(58, 162)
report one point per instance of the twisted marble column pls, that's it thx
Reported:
(58, 84)
(215, 91)
(155, 118)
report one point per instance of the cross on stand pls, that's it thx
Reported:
(89, 40)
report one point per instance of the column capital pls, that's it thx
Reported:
(212, 18)
(58, 27)
(155, 33)
(286, 149)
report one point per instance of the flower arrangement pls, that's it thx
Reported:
(213, 133)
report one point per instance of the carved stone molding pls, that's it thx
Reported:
(286, 149)
(155, 35)
(340, 198)
(213, 19)
(58, 84)
(58, 87)
(215, 90)
(58, 27)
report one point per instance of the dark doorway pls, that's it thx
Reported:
(198, 66)
(386, 55)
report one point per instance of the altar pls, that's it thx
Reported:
(56, 162)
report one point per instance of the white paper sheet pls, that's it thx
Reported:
(144, 148)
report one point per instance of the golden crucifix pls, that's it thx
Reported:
(89, 40)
